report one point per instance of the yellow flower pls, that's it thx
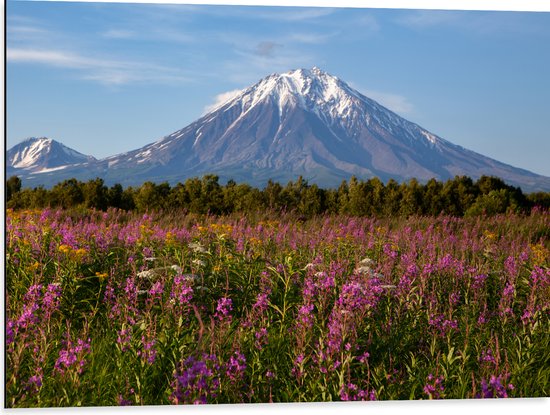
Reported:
(255, 241)
(80, 252)
(65, 249)
(101, 275)
(540, 254)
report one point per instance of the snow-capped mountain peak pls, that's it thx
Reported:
(302, 122)
(43, 154)
(331, 99)
(309, 89)
(30, 152)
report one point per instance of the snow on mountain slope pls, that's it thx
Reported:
(43, 154)
(303, 122)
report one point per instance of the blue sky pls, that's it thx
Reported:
(108, 78)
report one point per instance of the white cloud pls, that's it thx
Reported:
(295, 14)
(105, 71)
(48, 57)
(429, 18)
(309, 38)
(395, 102)
(221, 99)
(119, 34)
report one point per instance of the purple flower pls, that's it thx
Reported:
(72, 356)
(124, 338)
(51, 300)
(223, 309)
(479, 281)
(196, 381)
(124, 402)
(261, 338)
(181, 293)
(297, 369)
(508, 290)
(487, 356)
(149, 353)
(236, 367)
(157, 289)
(496, 387)
(442, 325)
(351, 392)
(34, 383)
(305, 317)
(10, 332)
(511, 266)
(262, 302)
(434, 387)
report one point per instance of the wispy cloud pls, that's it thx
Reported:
(165, 34)
(280, 14)
(105, 71)
(294, 14)
(221, 99)
(313, 38)
(429, 18)
(119, 34)
(395, 102)
(50, 57)
(478, 22)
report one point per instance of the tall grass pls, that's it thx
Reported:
(114, 308)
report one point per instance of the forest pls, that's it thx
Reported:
(457, 197)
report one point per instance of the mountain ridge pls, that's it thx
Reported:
(302, 122)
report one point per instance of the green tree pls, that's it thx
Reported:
(67, 194)
(432, 201)
(95, 194)
(392, 198)
(13, 186)
(272, 195)
(311, 201)
(151, 196)
(411, 202)
(486, 184)
(114, 196)
(492, 203)
(343, 197)
(359, 198)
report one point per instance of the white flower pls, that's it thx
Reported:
(367, 262)
(197, 247)
(176, 268)
(147, 274)
(199, 263)
(364, 270)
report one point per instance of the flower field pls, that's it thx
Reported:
(116, 308)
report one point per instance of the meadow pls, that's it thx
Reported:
(120, 308)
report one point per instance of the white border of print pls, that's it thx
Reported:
(449, 407)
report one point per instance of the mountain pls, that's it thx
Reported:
(303, 122)
(42, 155)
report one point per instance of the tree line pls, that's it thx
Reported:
(460, 196)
